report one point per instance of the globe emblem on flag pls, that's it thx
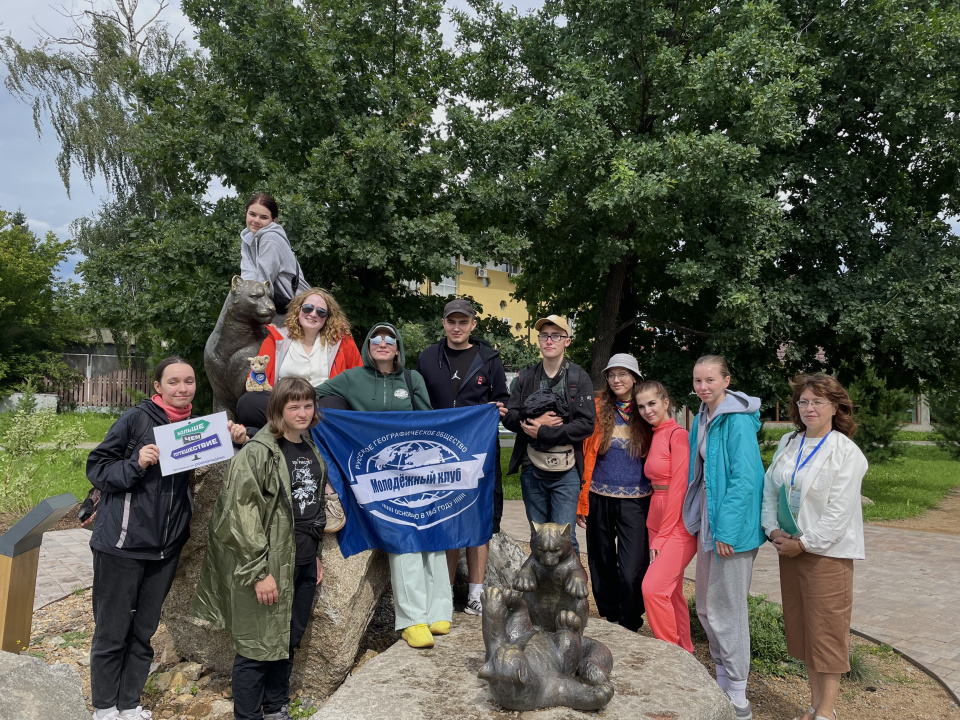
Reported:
(412, 455)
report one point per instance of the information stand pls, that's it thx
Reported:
(19, 557)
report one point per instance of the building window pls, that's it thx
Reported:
(446, 287)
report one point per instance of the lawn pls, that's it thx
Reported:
(94, 424)
(905, 487)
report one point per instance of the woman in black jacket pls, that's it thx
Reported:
(142, 522)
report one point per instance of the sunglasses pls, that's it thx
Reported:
(381, 339)
(307, 308)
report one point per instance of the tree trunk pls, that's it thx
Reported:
(607, 322)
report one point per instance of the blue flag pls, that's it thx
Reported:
(412, 481)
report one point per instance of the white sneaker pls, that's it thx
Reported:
(106, 713)
(473, 607)
(137, 713)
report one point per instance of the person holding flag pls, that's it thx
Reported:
(421, 591)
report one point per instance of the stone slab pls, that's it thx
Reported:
(652, 679)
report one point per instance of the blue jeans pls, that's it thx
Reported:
(553, 500)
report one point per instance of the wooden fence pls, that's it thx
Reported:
(105, 391)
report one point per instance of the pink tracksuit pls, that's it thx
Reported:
(666, 467)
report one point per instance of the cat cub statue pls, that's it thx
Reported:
(257, 378)
(536, 654)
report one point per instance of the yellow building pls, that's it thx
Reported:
(490, 285)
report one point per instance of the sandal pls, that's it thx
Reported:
(812, 712)
(334, 512)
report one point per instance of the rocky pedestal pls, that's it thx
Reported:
(32, 690)
(346, 600)
(651, 679)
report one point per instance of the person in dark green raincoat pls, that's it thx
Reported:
(262, 567)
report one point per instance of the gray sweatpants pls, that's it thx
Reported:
(722, 588)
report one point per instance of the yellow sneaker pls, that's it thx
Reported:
(418, 636)
(440, 627)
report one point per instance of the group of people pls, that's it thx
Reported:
(648, 494)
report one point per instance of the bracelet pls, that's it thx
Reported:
(800, 543)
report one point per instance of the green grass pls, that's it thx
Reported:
(59, 475)
(95, 425)
(911, 485)
(905, 435)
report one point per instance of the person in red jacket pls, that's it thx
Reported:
(671, 546)
(315, 343)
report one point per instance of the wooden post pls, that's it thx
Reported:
(19, 558)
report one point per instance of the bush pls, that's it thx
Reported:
(862, 669)
(21, 458)
(945, 410)
(879, 413)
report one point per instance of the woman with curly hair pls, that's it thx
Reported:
(811, 512)
(315, 344)
(615, 497)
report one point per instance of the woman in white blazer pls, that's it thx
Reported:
(811, 512)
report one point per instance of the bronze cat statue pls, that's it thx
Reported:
(239, 331)
(552, 579)
(528, 668)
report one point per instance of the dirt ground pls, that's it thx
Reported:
(943, 519)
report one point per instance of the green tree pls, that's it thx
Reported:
(766, 180)
(328, 106)
(39, 312)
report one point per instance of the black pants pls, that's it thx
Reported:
(127, 597)
(263, 686)
(618, 554)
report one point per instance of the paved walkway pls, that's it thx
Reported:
(906, 593)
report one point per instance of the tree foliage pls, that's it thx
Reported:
(759, 179)
(39, 312)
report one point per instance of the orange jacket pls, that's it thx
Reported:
(348, 356)
(590, 447)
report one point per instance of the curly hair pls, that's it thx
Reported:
(289, 389)
(826, 387)
(607, 418)
(336, 326)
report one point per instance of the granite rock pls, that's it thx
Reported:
(651, 679)
(505, 558)
(32, 690)
(346, 600)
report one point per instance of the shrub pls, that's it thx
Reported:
(768, 645)
(879, 412)
(945, 410)
(862, 669)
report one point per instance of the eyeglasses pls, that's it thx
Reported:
(555, 337)
(621, 376)
(381, 339)
(816, 404)
(307, 308)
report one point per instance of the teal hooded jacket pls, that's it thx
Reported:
(732, 475)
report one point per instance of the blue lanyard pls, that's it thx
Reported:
(799, 466)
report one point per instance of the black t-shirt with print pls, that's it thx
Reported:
(306, 482)
(460, 362)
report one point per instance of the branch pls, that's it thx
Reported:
(662, 323)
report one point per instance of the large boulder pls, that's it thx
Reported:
(651, 679)
(32, 690)
(346, 600)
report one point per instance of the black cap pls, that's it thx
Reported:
(459, 306)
